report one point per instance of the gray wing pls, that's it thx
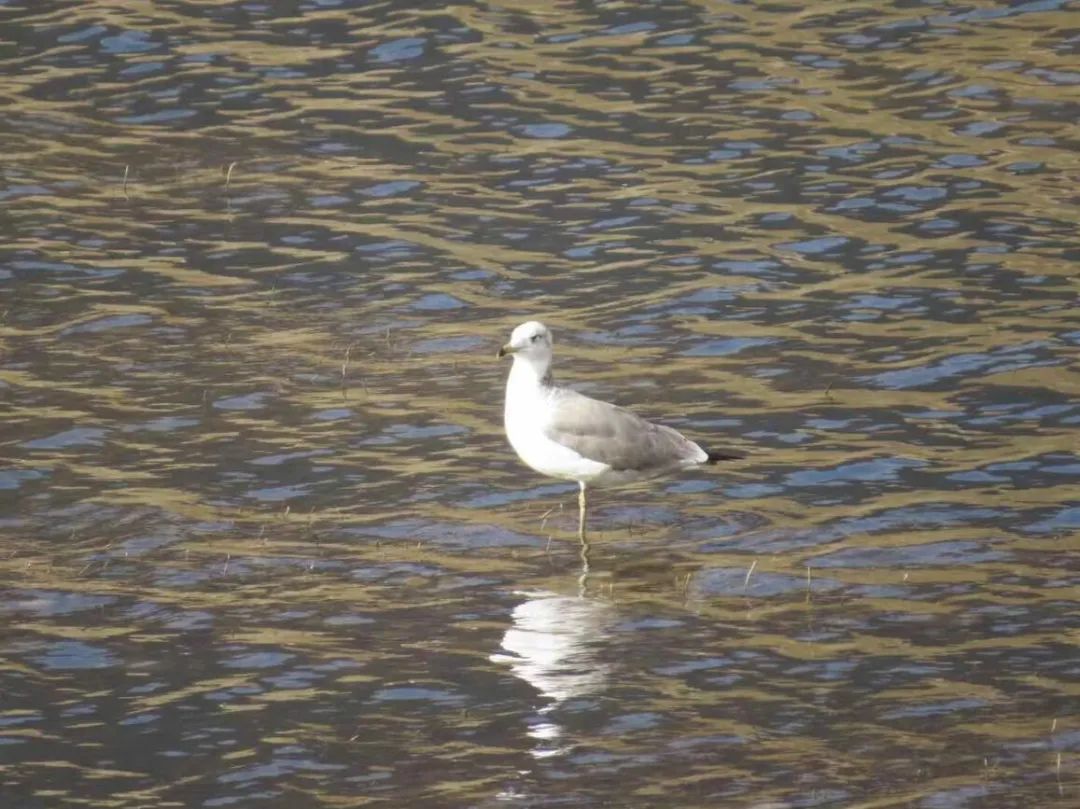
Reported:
(611, 435)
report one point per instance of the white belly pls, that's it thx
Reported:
(525, 420)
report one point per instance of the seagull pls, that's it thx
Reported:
(563, 434)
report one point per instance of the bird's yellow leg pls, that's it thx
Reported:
(581, 536)
(581, 513)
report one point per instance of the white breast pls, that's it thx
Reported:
(528, 412)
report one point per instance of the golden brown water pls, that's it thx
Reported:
(263, 543)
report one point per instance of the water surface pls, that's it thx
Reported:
(263, 543)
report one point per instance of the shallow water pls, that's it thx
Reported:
(263, 542)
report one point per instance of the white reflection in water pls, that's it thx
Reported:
(553, 645)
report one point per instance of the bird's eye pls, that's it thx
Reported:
(535, 337)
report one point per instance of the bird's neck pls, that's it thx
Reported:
(527, 377)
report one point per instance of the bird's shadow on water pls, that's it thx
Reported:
(568, 634)
(555, 643)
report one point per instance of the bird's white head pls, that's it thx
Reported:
(530, 343)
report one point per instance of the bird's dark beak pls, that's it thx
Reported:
(506, 349)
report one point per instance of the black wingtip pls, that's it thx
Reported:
(716, 457)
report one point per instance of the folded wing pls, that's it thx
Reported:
(610, 435)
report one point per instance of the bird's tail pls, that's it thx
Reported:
(716, 457)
